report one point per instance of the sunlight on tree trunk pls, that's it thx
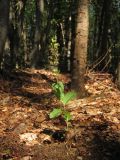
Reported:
(80, 52)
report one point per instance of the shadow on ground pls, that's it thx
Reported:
(20, 84)
(105, 149)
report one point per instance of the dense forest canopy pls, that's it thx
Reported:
(61, 35)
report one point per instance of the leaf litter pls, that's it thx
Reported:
(27, 132)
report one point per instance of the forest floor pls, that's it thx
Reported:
(27, 133)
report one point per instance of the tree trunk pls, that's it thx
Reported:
(16, 33)
(4, 17)
(80, 52)
(36, 50)
(103, 35)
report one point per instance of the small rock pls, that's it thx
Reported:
(29, 139)
(28, 136)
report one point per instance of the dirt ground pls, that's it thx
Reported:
(27, 133)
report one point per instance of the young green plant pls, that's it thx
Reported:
(64, 98)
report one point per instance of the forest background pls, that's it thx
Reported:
(64, 35)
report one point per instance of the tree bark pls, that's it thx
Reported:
(37, 45)
(4, 18)
(80, 52)
(103, 34)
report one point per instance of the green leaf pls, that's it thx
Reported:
(67, 116)
(58, 85)
(68, 97)
(58, 89)
(61, 86)
(55, 113)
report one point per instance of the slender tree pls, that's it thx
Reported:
(103, 33)
(80, 52)
(16, 32)
(4, 20)
(44, 12)
(36, 50)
